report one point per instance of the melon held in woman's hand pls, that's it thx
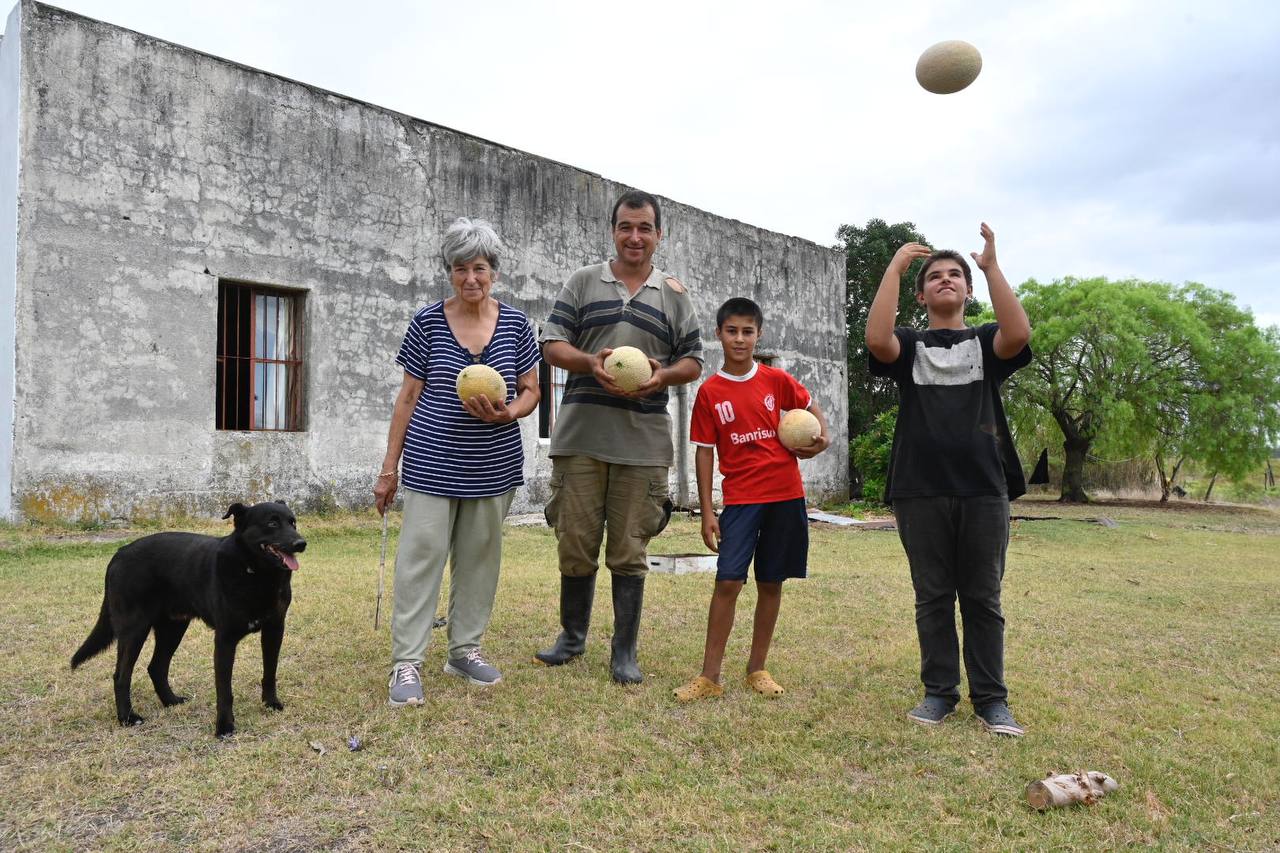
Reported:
(481, 380)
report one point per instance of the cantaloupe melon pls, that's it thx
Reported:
(948, 67)
(629, 368)
(481, 380)
(798, 429)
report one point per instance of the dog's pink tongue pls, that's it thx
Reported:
(290, 561)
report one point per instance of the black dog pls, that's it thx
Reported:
(237, 584)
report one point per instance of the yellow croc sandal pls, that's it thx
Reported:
(762, 682)
(700, 688)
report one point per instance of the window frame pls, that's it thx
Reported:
(552, 394)
(245, 368)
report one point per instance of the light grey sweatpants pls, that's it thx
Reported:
(465, 532)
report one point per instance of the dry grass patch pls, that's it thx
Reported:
(1149, 650)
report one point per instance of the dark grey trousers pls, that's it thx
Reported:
(956, 548)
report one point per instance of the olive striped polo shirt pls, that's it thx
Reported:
(594, 311)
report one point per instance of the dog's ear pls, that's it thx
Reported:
(236, 509)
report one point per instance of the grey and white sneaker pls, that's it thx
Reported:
(998, 719)
(932, 711)
(406, 685)
(474, 668)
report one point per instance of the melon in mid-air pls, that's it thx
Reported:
(798, 429)
(481, 380)
(629, 368)
(948, 67)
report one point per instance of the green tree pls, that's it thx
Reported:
(1226, 414)
(1108, 354)
(868, 251)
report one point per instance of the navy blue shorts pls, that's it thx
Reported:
(775, 534)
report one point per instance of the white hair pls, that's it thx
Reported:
(467, 239)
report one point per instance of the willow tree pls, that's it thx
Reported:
(1107, 355)
(1226, 416)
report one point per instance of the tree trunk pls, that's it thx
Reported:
(1209, 490)
(1166, 483)
(1073, 471)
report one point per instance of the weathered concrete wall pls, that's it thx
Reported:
(10, 115)
(150, 171)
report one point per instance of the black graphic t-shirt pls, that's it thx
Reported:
(952, 437)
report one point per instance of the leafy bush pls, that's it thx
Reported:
(870, 452)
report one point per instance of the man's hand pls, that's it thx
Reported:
(655, 383)
(487, 411)
(907, 254)
(987, 259)
(711, 531)
(604, 377)
(821, 443)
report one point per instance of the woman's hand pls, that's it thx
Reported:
(384, 490)
(488, 411)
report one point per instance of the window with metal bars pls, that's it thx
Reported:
(259, 365)
(551, 381)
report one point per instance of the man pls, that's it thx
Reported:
(611, 448)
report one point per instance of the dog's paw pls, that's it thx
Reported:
(224, 732)
(132, 720)
(175, 699)
(273, 703)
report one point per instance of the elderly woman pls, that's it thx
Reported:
(461, 461)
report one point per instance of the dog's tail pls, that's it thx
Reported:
(99, 638)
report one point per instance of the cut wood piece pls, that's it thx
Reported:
(1066, 788)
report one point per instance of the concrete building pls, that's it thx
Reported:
(206, 270)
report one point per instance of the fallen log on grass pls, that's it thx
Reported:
(1066, 788)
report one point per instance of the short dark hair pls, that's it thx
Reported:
(636, 200)
(943, 255)
(740, 306)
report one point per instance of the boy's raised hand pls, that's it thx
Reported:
(988, 257)
(711, 531)
(906, 254)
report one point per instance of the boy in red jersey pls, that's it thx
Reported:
(736, 416)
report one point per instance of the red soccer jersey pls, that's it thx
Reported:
(738, 416)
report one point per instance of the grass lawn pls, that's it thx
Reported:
(1149, 650)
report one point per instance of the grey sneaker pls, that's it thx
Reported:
(998, 719)
(406, 685)
(931, 711)
(474, 668)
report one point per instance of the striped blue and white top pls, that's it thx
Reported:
(447, 452)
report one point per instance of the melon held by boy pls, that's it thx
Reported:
(799, 429)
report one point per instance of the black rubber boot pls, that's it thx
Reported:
(628, 599)
(576, 597)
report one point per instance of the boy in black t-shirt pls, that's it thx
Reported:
(953, 469)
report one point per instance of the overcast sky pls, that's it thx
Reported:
(1103, 137)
